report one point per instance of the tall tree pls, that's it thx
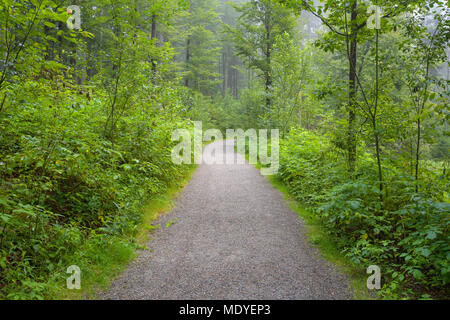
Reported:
(258, 26)
(203, 47)
(347, 19)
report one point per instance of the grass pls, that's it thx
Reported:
(102, 258)
(160, 205)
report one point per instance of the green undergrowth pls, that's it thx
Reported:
(325, 242)
(101, 259)
(400, 230)
(72, 190)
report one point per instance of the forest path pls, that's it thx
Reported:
(234, 238)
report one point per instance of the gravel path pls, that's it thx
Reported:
(234, 238)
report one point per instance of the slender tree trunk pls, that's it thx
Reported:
(379, 161)
(225, 75)
(419, 122)
(375, 128)
(2, 104)
(235, 83)
(188, 49)
(268, 76)
(419, 137)
(153, 31)
(188, 58)
(352, 91)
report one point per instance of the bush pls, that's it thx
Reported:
(407, 235)
(62, 178)
(309, 165)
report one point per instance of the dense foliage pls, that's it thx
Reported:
(85, 137)
(407, 236)
(86, 117)
(364, 118)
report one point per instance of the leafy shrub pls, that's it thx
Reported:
(62, 178)
(309, 165)
(407, 235)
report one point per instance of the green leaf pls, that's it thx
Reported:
(49, 24)
(431, 235)
(5, 217)
(417, 274)
(425, 252)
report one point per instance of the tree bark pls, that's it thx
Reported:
(153, 39)
(419, 137)
(268, 76)
(352, 90)
(375, 127)
(188, 48)
(225, 73)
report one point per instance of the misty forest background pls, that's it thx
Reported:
(86, 118)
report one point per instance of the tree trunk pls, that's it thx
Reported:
(153, 40)
(188, 49)
(352, 91)
(225, 73)
(268, 76)
(419, 137)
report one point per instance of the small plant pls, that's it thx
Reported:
(171, 222)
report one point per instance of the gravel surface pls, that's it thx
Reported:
(233, 237)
